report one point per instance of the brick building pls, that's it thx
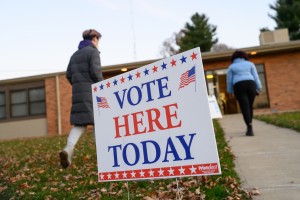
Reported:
(40, 105)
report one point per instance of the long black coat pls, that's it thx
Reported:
(83, 70)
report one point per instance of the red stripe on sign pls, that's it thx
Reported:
(164, 172)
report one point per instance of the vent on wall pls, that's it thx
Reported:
(276, 36)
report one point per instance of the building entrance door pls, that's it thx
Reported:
(216, 83)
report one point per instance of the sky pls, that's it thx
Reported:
(39, 36)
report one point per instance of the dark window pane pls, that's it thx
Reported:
(19, 103)
(260, 68)
(18, 110)
(37, 108)
(262, 100)
(37, 101)
(18, 97)
(37, 94)
(2, 112)
(2, 98)
(2, 105)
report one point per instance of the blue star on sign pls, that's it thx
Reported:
(183, 59)
(129, 77)
(164, 66)
(115, 82)
(146, 71)
(101, 87)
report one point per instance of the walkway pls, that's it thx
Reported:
(269, 161)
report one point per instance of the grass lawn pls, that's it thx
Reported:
(288, 120)
(29, 169)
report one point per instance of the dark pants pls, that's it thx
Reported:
(245, 92)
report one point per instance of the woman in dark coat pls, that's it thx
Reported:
(83, 70)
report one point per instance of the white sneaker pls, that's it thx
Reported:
(66, 156)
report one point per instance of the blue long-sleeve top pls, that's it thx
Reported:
(241, 70)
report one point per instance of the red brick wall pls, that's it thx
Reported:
(51, 106)
(216, 65)
(283, 81)
(65, 103)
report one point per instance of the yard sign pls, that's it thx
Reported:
(154, 122)
(215, 111)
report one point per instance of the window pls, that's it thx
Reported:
(37, 101)
(19, 103)
(261, 101)
(2, 105)
(24, 100)
(28, 102)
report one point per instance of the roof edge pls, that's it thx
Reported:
(206, 56)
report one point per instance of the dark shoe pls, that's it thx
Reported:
(249, 131)
(66, 156)
(64, 159)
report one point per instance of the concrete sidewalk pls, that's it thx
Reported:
(269, 161)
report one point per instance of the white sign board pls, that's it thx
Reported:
(214, 107)
(154, 122)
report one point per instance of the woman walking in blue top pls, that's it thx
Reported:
(243, 81)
